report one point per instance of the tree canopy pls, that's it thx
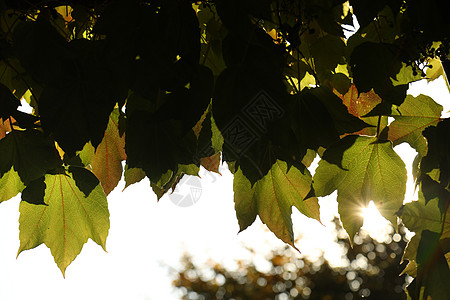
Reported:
(265, 86)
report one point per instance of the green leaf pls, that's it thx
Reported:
(411, 118)
(10, 185)
(361, 169)
(417, 216)
(68, 220)
(309, 157)
(273, 197)
(170, 180)
(191, 169)
(434, 69)
(406, 75)
(410, 254)
(132, 175)
(244, 200)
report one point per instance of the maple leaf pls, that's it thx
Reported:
(427, 261)
(419, 216)
(360, 104)
(273, 197)
(106, 160)
(411, 118)
(361, 169)
(76, 209)
(211, 163)
(132, 175)
(10, 185)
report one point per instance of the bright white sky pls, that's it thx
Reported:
(147, 238)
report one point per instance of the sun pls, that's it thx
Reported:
(375, 224)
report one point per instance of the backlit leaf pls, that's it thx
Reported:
(360, 104)
(273, 198)
(417, 216)
(69, 218)
(434, 69)
(132, 175)
(361, 169)
(211, 163)
(244, 200)
(107, 162)
(10, 185)
(411, 118)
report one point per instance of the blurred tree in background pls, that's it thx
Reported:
(371, 270)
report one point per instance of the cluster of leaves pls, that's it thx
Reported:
(265, 86)
(372, 272)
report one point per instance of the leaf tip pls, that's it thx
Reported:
(292, 244)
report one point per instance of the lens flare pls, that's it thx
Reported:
(375, 224)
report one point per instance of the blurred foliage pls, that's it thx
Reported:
(371, 270)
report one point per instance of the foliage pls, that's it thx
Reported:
(265, 86)
(372, 272)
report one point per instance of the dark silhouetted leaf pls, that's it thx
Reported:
(8, 102)
(376, 73)
(34, 192)
(30, 152)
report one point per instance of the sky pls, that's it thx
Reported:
(147, 238)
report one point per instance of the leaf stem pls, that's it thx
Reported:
(297, 90)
